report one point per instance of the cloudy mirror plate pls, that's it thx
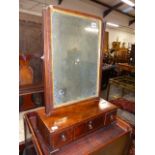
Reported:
(75, 54)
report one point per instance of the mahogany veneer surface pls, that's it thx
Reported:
(68, 116)
(113, 139)
(31, 88)
(74, 121)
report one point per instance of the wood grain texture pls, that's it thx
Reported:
(114, 139)
(82, 118)
(65, 117)
(47, 62)
(76, 12)
(31, 88)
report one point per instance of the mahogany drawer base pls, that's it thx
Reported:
(68, 125)
(113, 139)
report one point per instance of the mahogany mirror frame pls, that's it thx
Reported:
(48, 83)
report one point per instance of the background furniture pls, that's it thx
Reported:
(31, 96)
(124, 82)
(106, 42)
(31, 43)
(125, 103)
(108, 71)
(125, 67)
(132, 55)
(30, 87)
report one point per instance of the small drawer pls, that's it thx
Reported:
(95, 123)
(88, 126)
(62, 138)
(110, 117)
(80, 130)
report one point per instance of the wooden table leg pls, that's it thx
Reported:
(108, 90)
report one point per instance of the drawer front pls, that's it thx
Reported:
(80, 130)
(88, 126)
(62, 138)
(110, 117)
(95, 123)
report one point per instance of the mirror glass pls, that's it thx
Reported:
(75, 57)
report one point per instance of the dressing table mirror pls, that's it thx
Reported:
(74, 53)
(74, 113)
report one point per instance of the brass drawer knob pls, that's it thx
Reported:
(63, 137)
(90, 126)
(111, 117)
